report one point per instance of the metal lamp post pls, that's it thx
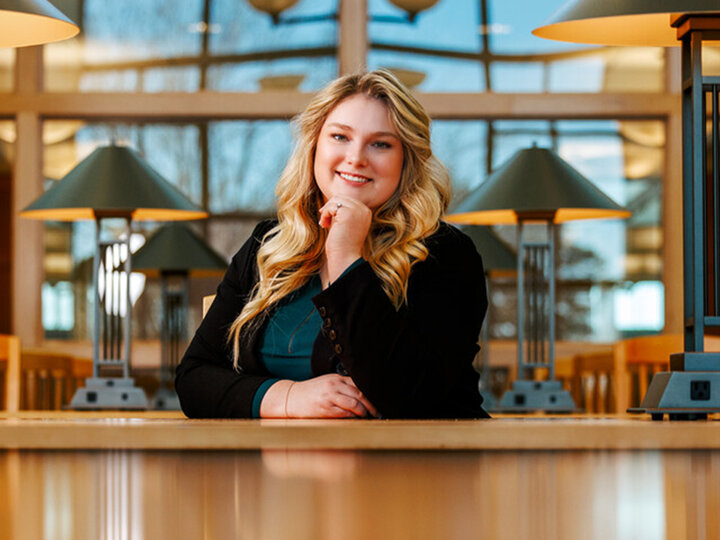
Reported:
(535, 186)
(691, 389)
(112, 182)
(175, 252)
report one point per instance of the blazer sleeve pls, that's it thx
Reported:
(206, 382)
(415, 362)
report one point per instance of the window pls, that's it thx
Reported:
(601, 264)
(165, 46)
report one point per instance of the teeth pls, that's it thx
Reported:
(353, 178)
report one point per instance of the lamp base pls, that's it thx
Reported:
(166, 400)
(527, 396)
(682, 395)
(109, 393)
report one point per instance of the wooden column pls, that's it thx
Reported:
(27, 235)
(352, 36)
(5, 244)
(672, 254)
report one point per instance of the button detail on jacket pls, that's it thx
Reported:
(327, 323)
(338, 348)
(322, 311)
(340, 369)
(332, 335)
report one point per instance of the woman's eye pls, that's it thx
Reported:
(381, 144)
(339, 137)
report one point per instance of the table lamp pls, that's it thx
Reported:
(112, 182)
(535, 186)
(175, 252)
(33, 22)
(691, 389)
(498, 258)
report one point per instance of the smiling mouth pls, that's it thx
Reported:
(354, 178)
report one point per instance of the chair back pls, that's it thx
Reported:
(48, 379)
(207, 302)
(616, 379)
(593, 381)
(640, 358)
(10, 372)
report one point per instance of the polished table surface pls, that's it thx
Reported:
(172, 431)
(158, 475)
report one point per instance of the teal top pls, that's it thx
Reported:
(287, 343)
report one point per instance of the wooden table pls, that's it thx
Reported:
(172, 431)
(157, 475)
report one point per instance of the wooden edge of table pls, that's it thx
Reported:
(167, 432)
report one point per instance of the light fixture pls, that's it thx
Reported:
(112, 182)
(535, 186)
(33, 22)
(175, 252)
(275, 8)
(623, 22)
(54, 132)
(413, 7)
(408, 77)
(691, 389)
(280, 82)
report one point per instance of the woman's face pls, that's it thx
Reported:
(359, 153)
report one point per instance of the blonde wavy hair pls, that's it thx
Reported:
(293, 251)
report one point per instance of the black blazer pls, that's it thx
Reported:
(411, 363)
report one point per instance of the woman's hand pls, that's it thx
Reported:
(326, 396)
(348, 221)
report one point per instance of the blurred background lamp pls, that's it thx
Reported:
(535, 186)
(175, 253)
(498, 259)
(691, 389)
(33, 22)
(112, 182)
(413, 7)
(275, 9)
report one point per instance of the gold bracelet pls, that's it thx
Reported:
(287, 395)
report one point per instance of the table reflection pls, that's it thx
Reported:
(358, 494)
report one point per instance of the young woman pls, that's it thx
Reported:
(357, 301)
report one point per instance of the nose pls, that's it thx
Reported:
(356, 155)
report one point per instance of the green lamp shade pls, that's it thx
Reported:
(113, 181)
(33, 22)
(622, 22)
(176, 248)
(535, 183)
(496, 254)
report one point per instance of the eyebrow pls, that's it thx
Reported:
(376, 134)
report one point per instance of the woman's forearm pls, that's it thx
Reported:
(274, 403)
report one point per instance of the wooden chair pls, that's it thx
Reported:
(207, 302)
(10, 369)
(614, 380)
(587, 377)
(49, 379)
(592, 383)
